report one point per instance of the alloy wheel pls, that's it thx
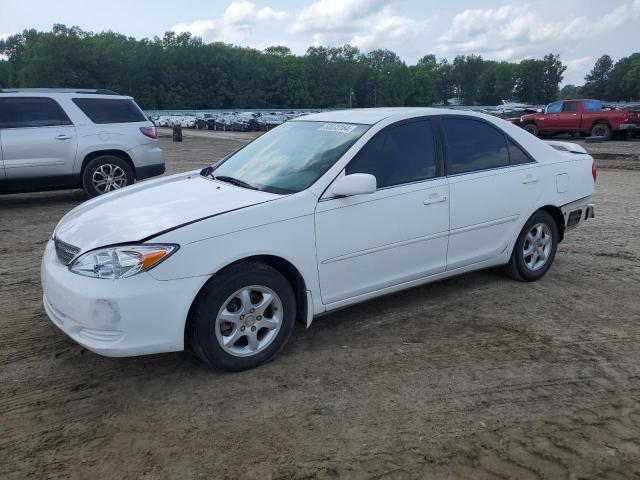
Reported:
(249, 321)
(109, 177)
(537, 246)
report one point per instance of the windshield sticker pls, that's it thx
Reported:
(338, 127)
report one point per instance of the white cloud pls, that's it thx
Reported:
(243, 13)
(236, 24)
(334, 15)
(514, 32)
(367, 24)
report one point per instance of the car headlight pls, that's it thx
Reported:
(121, 261)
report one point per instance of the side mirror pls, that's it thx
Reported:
(354, 184)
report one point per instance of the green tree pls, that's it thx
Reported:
(569, 92)
(596, 81)
(618, 86)
(552, 75)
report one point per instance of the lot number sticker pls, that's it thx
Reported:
(337, 127)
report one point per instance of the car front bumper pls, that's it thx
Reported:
(117, 318)
(629, 126)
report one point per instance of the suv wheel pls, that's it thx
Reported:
(243, 317)
(106, 173)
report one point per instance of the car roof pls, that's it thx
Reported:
(50, 92)
(371, 116)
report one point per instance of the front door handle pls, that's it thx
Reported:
(529, 179)
(435, 198)
(62, 136)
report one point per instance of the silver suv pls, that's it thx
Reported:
(68, 138)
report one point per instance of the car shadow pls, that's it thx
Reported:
(38, 199)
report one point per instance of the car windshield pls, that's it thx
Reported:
(291, 157)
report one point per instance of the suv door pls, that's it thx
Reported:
(38, 142)
(492, 183)
(366, 243)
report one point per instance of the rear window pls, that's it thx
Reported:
(110, 110)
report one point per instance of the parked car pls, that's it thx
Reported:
(320, 213)
(202, 120)
(267, 122)
(581, 117)
(225, 121)
(68, 138)
(245, 122)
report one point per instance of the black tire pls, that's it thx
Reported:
(532, 128)
(517, 267)
(601, 130)
(93, 167)
(201, 329)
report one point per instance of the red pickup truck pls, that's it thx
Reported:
(581, 117)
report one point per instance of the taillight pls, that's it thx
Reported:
(594, 171)
(149, 132)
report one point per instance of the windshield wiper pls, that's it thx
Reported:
(234, 181)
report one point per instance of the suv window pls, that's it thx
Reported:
(473, 145)
(21, 112)
(397, 155)
(110, 110)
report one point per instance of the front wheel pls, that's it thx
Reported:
(535, 248)
(243, 317)
(532, 128)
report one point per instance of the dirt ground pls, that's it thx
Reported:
(474, 377)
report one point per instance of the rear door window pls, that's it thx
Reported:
(592, 105)
(473, 145)
(110, 110)
(398, 155)
(23, 112)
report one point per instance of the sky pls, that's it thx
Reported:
(579, 30)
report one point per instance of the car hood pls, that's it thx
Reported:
(146, 209)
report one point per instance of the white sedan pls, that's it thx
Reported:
(322, 212)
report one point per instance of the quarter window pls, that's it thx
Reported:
(397, 155)
(108, 110)
(21, 112)
(516, 155)
(473, 145)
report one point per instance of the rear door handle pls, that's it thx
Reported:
(435, 198)
(62, 136)
(529, 179)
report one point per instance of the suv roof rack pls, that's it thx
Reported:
(95, 91)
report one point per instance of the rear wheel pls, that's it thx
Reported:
(601, 130)
(535, 248)
(532, 128)
(243, 317)
(106, 173)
